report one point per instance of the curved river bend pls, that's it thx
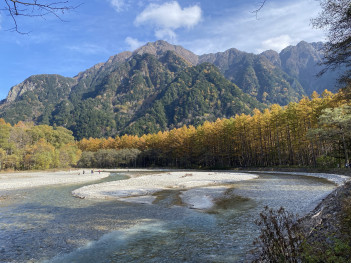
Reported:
(47, 224)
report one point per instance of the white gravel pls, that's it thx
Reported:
(14, 181)
(199, 189)
(334, 178)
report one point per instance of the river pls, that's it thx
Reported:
(47, 224)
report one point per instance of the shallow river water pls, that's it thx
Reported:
(47, 224)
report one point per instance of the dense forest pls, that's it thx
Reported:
(25, 146)
(314, 132)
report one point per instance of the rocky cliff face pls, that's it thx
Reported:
(302, 62)
(20, 89)
(273, 57)
(158, 48)
(47, 84)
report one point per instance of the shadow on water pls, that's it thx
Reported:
(49, 224)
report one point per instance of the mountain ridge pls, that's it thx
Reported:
(288, 64)
(125, 93)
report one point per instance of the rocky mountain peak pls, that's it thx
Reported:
(121, 57)
(297, 58)
(159, 47)
(273, 57)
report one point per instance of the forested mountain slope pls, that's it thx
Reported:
(257, 76)
(134, 93)
(273, 77)
(161, 86)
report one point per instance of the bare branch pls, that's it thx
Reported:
(261, 5)
(34, 8)
(335, 18)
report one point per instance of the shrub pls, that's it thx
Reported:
(327, 161)
(280, 238)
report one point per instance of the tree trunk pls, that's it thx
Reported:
(345, 150)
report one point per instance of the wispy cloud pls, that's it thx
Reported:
(133, 43)
(119, 5)
(277, 26)
(88, 49)
(166, 18)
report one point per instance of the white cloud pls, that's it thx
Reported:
(276, 43)
(167, 34)
(119, 5)
(279, 24)
(133, 43)
(168, 17)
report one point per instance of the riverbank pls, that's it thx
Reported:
(197, 190)
(339, 171)
(23, 180)
(325, 226)
(49, 222)
(338, 179)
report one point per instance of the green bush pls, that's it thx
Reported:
(327, 161)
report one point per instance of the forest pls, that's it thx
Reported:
(314, 132)
(25, 146)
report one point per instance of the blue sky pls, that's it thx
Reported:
(98, 29)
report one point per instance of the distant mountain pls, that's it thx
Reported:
(273, 77)
(257, 76)
(302, 62)
(160, 86)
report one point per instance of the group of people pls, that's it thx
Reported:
(92, 171)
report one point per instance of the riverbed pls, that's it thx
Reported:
(48, 224)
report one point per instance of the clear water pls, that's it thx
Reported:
(47, 224)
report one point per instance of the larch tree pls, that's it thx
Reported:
(335, 126)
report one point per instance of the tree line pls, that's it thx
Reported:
(314, 132)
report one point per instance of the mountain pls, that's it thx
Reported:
(257, 76)
(134, 93)
(159, 47)
(36, 95)
(195, 95)
(273, 77)
(302, 62)
(160, 86)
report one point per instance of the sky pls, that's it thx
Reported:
(97, 29)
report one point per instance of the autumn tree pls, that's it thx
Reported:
(335, 126)
(2, 158)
